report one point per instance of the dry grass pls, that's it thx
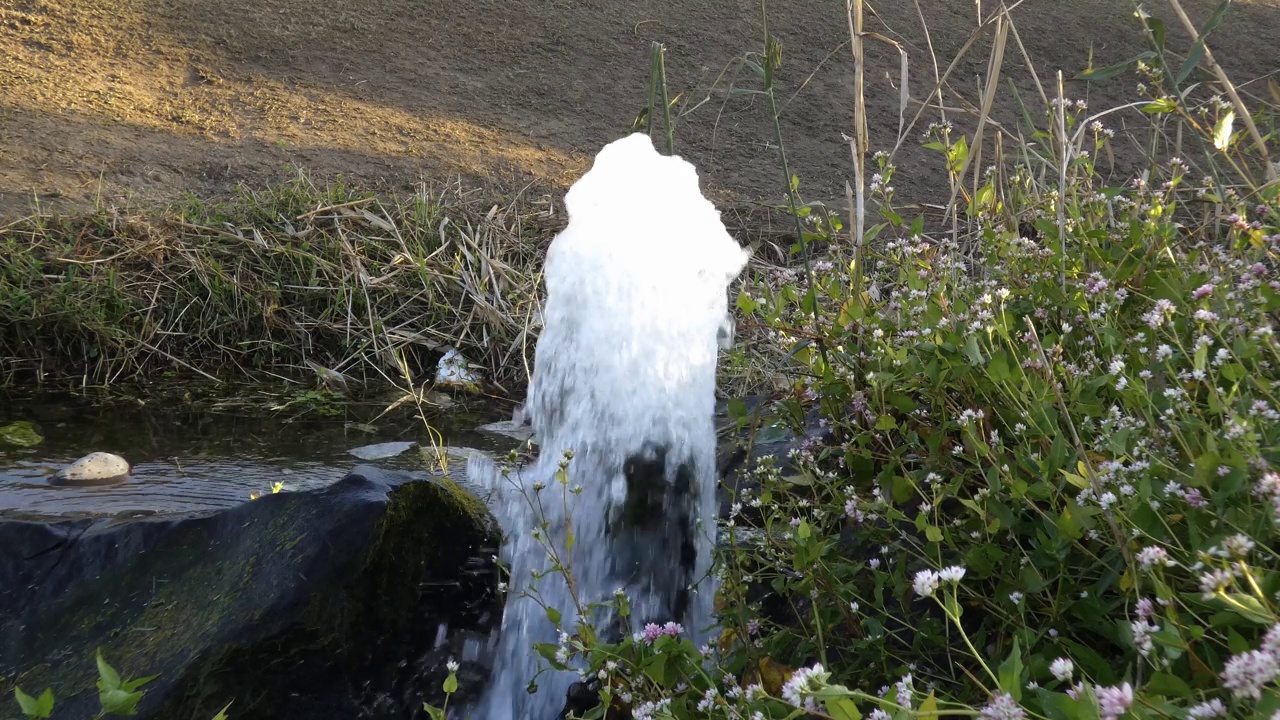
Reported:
(272, 282)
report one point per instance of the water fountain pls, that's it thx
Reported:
(624, 377)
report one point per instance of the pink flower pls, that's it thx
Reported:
(1114, 701)
(1195, 499)
(1145, 608)
(1247, 673)
(1202, 291)
(1002, 707)
(1271, 641)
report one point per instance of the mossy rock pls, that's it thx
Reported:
(311, 605)
(21, 433)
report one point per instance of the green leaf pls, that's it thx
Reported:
(1068, 526)
(971, 350)
(1248, 607)
(1233, 371)
(222, 714)
(25, 701)
(554, 616)
(119, 702)
(451, 684)
(1160, 106)
(1058, 706)
(1223, 129)
(1010, 672)
(1157, 31)
(1197, 49)
(1215, 18)
(745, 303)
(33, 707)
(548, 652)
(804, 531)
(983, 560)
(656, 667)
(1206, 470)
(1169, 685)
(932, 534)
(109, 679)
(1193, 59)
(986, 195)
(131, 685)
(902, 402)
(998, 368)
(842, 709)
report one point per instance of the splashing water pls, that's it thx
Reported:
(624, 377)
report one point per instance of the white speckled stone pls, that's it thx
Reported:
(94, 469)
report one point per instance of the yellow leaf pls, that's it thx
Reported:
(774, 675)
(1074, 479)
(928, 708)
(727, 639)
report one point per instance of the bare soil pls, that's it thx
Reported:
(145, 100)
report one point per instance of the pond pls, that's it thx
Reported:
(210, 455)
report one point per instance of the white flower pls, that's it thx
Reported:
(1062, 669)
(804, 682)
(953, 574)
(452, 665)
(1238, 545)
(1151, 556)
(1142, 632)
(926, 582)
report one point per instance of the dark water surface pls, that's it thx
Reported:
(189, 458)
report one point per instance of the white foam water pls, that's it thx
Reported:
(624, 377)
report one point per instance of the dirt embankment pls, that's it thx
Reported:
(149, 99)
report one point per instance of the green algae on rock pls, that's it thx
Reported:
(21, 433)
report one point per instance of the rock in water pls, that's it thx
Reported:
(454, 370)
(97, 468)
(624, 376)
(382, 451)
(313, 605)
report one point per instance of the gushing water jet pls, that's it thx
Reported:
(624, 378)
